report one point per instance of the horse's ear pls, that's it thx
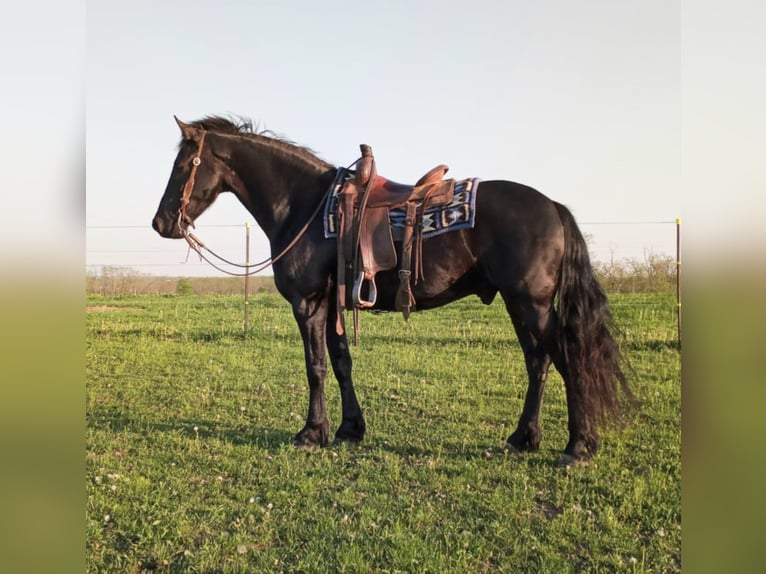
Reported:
(189, 132)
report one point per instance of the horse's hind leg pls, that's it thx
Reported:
(537, 329)
(528, 435)
(352, 427)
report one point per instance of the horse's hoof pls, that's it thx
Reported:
(526, 440)
(302, 443)
(312, 437)
(570, 461)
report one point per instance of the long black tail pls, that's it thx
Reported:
(586, 327)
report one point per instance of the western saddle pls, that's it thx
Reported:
(366, 239)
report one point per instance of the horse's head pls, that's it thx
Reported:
(195, 182)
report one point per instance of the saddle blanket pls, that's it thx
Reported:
(459, 214)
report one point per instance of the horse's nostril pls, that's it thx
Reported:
(157, 225)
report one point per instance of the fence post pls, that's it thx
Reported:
(678, 275)
(247, 274)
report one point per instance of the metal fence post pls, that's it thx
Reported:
(678, 275)
(247, 274)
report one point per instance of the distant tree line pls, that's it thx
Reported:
(128, 281)
(655, 273)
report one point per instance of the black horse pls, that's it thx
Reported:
(523, 245)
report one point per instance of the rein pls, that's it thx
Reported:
(197, 245)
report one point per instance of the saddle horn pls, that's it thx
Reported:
(364, 167)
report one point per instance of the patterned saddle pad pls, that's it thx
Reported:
(459, 214)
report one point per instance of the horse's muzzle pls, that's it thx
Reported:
(166, 227)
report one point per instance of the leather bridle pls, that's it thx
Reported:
(196, 244)
(189, 187)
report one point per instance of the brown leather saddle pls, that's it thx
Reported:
(366, 239)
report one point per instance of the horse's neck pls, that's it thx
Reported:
(275, 184)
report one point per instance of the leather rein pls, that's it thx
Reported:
(197, 245)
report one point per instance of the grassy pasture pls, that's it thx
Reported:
(189, 466)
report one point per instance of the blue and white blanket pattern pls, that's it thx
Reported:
(459, 214)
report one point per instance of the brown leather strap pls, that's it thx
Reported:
(405, 300)
(365, 178)
(341, 270)
(347, 226)
(346, 242)
(189, 187)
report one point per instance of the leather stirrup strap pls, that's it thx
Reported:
(405, 300)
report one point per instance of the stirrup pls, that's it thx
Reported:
(356, 292)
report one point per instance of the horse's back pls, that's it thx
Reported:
(524, 211)
(515, 246)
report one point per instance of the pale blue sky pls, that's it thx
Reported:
(581, 100)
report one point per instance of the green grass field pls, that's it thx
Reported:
(190, 468)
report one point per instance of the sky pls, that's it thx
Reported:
(581, 100)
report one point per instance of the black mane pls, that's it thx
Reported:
(245, 126)
(225, 125)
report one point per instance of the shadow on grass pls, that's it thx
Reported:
(118, 420)
(367, 341)
(438, 341)
(273, 440)
(457, 454)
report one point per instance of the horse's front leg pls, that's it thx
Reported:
(311, 316)
(352, 427)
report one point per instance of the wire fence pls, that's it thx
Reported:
(139, 248)
(627, 255)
